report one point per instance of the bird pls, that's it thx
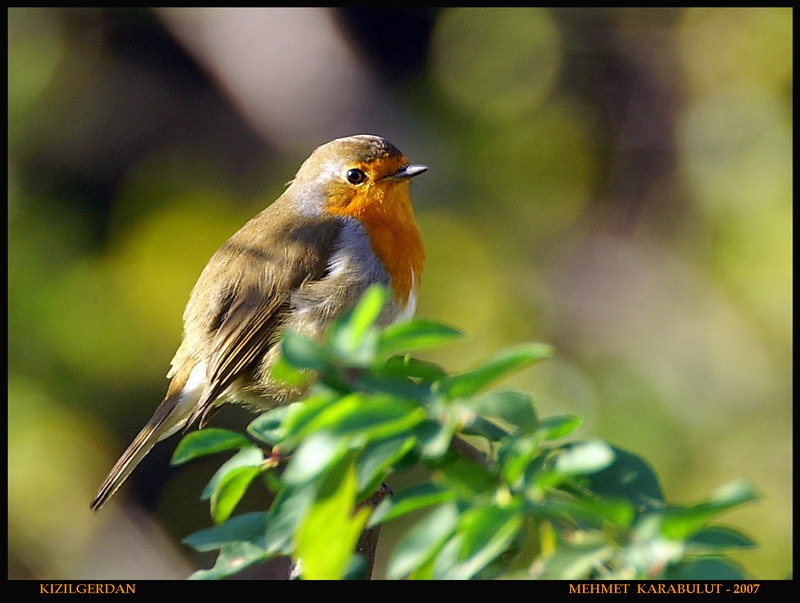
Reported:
(345, 222)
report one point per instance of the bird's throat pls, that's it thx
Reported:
(386, 214)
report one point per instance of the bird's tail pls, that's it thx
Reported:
(168, 418)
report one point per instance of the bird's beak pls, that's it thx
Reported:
(409, 171)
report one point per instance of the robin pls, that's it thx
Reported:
(345, 222)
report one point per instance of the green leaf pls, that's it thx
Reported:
(422, 542)
(411, 499)
(515, 456)
(369, 417)
(617, 512)
(326, 539)
(501, 365)
(286, 512)
(285, 372)
(230, 491)
(582, 458)
(415, 335)
(466, 478)
(484, 534)
(267, 427)
(514, 408)
(704, 570)
(383, 382)
(716, 539)
(241, 542)
(576, 562)
(207, 441)
(733, 495)
(680, 523)
(305, 417)
(377, 459)
(559, 426)
(485, 428)
(303, 352)
(406, 366)
(316, 454)
(367, 310)
(353, 337)
(629, 477)
(435, 437)
(375, 417)
(249, 527)
(233, 558)
(356, 568)
(252, 456)
(231, 481)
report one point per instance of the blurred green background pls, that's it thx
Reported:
(615, 182)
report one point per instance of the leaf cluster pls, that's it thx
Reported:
(504, 496)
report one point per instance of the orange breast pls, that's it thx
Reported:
(384, 208)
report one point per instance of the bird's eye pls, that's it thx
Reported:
(355, 176)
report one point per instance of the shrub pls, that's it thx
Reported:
(504, 495)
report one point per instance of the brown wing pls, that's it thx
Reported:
(245, 335)
(249, 323)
